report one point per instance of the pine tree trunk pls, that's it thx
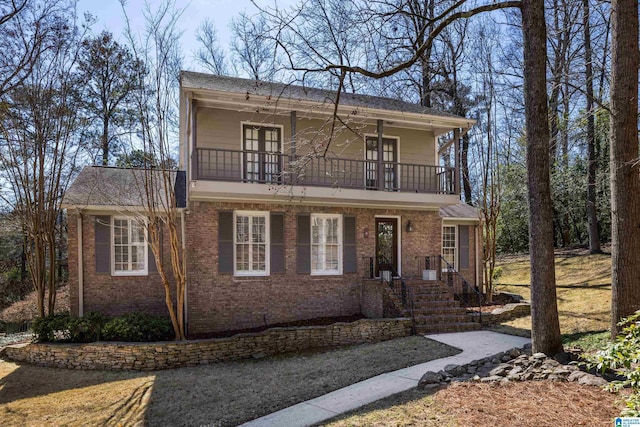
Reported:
(625, 181)
(592, 210)
(545, 327)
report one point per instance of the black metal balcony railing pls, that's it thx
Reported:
(275, 168)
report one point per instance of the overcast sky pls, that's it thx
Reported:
(110, 17)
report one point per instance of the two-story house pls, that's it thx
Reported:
(294, 209)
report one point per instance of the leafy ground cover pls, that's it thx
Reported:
(583, 289)
(526, 404)
(219, 394)
(26, 310)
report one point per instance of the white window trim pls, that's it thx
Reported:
(337, 272)
(145, 271)
(455, 241)
(384, 136)
(263, 125)
(243, 273)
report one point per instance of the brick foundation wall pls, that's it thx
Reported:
(219, 302)
(372, 299)
(111, 295)
(156, 356)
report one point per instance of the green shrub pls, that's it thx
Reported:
(497, 273)
(138, 327)
(87, 328)
(623, 355)
(93, 326)
(3, 327)
(52, 328)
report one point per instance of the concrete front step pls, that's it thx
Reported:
(435, 311)
(441, 318)
(447, 327)
(444, 303)
(433, 297)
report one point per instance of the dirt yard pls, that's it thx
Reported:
(222, 394)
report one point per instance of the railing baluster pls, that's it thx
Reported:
(228, 165)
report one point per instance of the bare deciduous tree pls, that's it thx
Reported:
(23, 31)
(157, 110)
(210, 54)
(40, 129)
(592, 213)
(253, 51)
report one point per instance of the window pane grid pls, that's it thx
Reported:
(251, 243)
(325, 244)
(128, 246)
(449, 244)
(262, 149)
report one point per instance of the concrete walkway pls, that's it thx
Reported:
(474, 345)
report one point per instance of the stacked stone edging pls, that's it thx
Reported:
(167, 355)
(513, 365)
(508, 312)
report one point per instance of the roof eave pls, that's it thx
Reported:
(235, 100)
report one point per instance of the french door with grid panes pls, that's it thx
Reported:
(389, 159)
(262, 158)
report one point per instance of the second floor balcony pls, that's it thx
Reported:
(211, 164)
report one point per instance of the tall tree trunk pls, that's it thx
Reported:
(592, 212)
(545, 327)
(105, 142)
(464, 165)
(625, 181)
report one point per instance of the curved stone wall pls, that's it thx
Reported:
(167, 355)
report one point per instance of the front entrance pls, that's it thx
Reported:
(386, 245)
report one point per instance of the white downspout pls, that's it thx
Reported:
(80, 267)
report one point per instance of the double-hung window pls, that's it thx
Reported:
(449, 248)
(251, 243)
(326, 244)
(129, 247)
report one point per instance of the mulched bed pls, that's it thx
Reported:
(319, 321)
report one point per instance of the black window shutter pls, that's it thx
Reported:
(225, 242)
(102, 244)
(463, 242)
(349, 260)
(151, 259)
(277, 242)
(303, 244)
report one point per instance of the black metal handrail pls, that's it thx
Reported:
(454, 280)
(397, 285)
(277, 168)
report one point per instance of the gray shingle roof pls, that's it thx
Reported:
(461, 211)
(192, 80)
(119, 187)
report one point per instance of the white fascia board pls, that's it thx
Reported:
(268, 105)
(325, 196)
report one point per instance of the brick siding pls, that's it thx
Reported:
(221, 302)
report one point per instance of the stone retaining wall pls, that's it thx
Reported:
(508, 312)
(166, 355)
